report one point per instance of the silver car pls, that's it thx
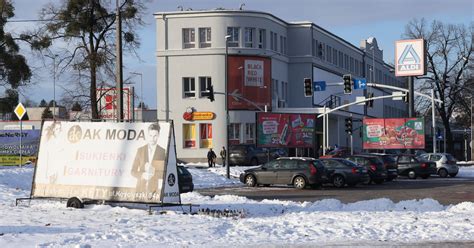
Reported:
(445, 163)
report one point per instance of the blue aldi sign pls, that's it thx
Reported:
(360, 84)
(319, 85)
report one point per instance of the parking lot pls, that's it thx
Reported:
(444, 190)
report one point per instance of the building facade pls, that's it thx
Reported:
(267, 61)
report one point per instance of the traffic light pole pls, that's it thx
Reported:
(352, 140)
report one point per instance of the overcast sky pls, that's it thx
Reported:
(352, 20)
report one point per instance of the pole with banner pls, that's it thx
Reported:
(20, 111)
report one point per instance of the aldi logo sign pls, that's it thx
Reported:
(410, 58)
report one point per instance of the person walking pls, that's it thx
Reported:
(223, 154)
(211, 158)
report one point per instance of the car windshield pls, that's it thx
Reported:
(348, 163)
(450, 157)
(388, 159)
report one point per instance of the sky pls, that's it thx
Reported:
(351, 20)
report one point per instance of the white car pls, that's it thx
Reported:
(445, 163)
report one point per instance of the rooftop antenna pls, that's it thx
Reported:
(180, 8)
(242, 6)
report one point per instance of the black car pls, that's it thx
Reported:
(374, 166)
(390, 164)
(413, 167)
(340, 172)
(185, 180)
(249, 154)
(297, 171)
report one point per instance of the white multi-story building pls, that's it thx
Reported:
(268, 59)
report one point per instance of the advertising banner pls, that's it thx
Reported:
(108, 103)
(285, 130)
(132, 162)
(10, 146)
(394, 133)
(249, 77)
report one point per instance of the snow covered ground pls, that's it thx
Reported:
(267, 222)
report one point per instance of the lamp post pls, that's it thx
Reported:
(227, 37)
(53, 57)
(141, 86)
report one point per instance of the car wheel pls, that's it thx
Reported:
(299, 182)
(338, 181)
(378, 181)
(453, 174)
(443, 173)
(412, 174)
(74, 202)
(425, 176)
(250, 181)
(254, 161)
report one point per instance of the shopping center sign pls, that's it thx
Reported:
(410, 58)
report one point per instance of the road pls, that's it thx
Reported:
(444, 190)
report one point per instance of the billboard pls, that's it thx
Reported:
(107, 103)
(131, 162)
(285, 130)
(410, 58)
(250, 78)
(394, 133)
(10, 146)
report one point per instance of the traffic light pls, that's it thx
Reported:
(349, 125)
(347, 83)
(308, 87)
(406, 98)
(370, 103)
(210, 88)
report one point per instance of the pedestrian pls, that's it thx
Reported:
(223, 154)
(211, 158)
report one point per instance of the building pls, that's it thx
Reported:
(268, 59)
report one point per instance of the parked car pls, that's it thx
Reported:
(374, 166)
(249, 154)
(390, 164)
(298, 171)
(340, 172)
(445, 163)
(413, 167)
(185, 180)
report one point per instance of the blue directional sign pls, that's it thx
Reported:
(319, 85)
(360, 83)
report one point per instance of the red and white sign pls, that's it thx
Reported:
(254, 73)
(107, 104)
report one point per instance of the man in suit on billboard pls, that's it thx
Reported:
(149, 164)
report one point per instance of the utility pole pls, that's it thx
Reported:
(227, 37)
(119, 73)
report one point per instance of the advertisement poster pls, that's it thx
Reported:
(285, 130)
(394, 133)
(107, 103)
(10, 146)
(249, 79)
(130, 162)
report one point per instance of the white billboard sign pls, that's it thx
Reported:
(132, 162)
(410, 58)
(253, 73)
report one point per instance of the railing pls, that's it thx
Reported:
(331, 101)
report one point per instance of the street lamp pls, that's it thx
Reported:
(227, 37)
(141, 85)
(53, 57)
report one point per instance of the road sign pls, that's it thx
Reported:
(319, 85)
(360, 83)
(398, 95)
(410, 58)
(360, 98)
(20, 111)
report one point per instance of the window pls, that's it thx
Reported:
(334, 56)
(262, 38)
(282, 43)
(249, 37)
(285, 48)
(341, 59)
(204, 84)
(321, 50)
(329, 54)
(189, 88)
(204, 37)
(234, 131)
(205, 130)
(351, 64)
(346, 61)
(314, 47)
(282, 94)
(188, 38)
(273, 41)
(234, 36)
(249, 131)
(189, 134)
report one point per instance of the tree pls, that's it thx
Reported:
(14, 71)
(9, 102)
(89, 28)
(43, 103)
(47, 114)
(76, 107)
(449, 48)
(52, 103)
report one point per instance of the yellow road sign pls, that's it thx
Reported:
(20, 111)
